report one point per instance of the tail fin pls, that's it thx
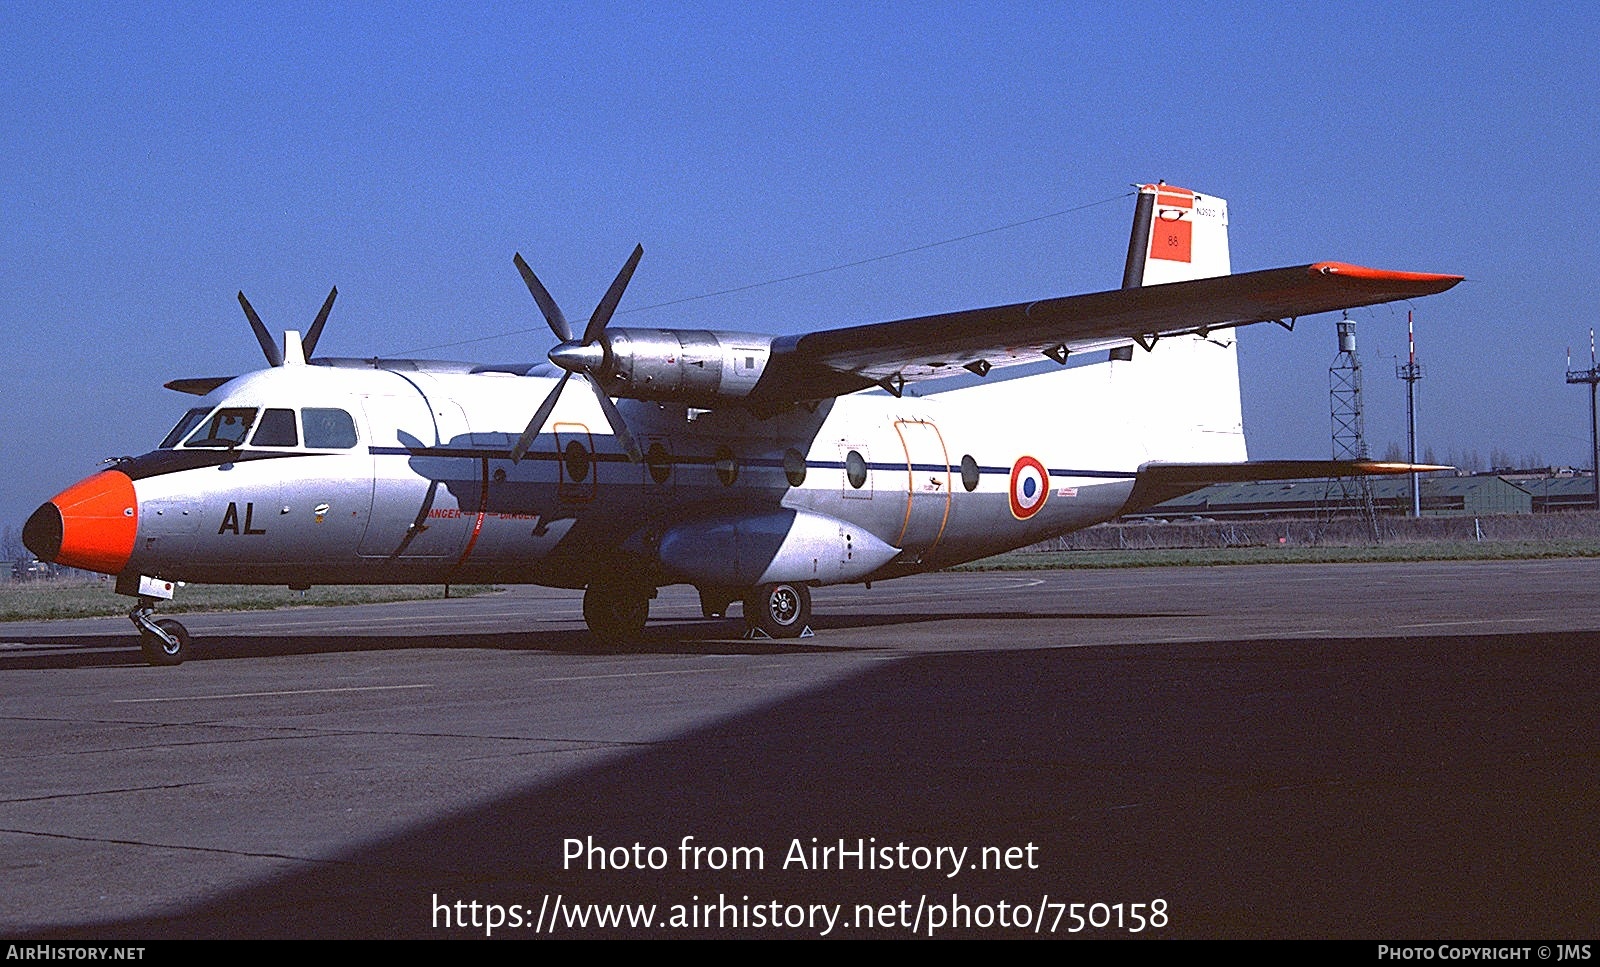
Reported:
(1178, 234)
(1183, 392)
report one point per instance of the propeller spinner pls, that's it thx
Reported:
(585, 356)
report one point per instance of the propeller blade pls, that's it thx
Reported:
(311, 337)
(547, 305)
(614, 417)
(608, 305)
(525, 442)
(274, 354)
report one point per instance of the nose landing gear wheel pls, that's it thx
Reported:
(158, 651)
(780, 610)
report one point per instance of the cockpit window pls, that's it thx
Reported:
(190, 419)
(226, 428)
(329, 428)
(277, 429)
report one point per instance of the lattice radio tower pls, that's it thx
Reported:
(1349, 496)
(1592, 377)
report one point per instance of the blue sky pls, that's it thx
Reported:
(158, 158)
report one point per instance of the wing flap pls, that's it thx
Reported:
(836, 361)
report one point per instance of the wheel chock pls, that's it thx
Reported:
(756, 634)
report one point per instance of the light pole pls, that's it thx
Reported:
(1411, 371)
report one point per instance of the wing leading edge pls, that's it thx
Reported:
(838, 361)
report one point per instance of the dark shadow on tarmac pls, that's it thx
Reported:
(1372, 788)
(720, 636)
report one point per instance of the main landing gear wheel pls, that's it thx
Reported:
(158, 651)
(779, 610)
(616, 613)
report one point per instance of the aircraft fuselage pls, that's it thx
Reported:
(422, 488)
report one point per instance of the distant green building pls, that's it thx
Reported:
(1553, 493)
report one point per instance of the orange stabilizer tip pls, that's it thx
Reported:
(1348, 271)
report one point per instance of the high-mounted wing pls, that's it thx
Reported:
(838, 361)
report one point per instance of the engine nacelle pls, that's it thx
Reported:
(696, 367)
(744, 550)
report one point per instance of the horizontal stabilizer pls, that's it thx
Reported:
(1159, 482)
(198, 385)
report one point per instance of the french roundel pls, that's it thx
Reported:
(1030, 485)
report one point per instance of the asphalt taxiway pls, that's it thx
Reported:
(1381, 751)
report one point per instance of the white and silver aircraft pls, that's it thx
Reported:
(750, 466)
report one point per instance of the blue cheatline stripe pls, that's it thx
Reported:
(488, 454)
(956, 469)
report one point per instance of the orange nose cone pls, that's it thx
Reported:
(91, 524)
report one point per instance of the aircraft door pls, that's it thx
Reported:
(416, 508)
(509, 518)
(927, 484)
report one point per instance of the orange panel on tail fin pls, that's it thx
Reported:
(1172, 235)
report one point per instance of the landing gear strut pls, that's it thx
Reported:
(780, 610)
(616, 613)
(162, 640)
